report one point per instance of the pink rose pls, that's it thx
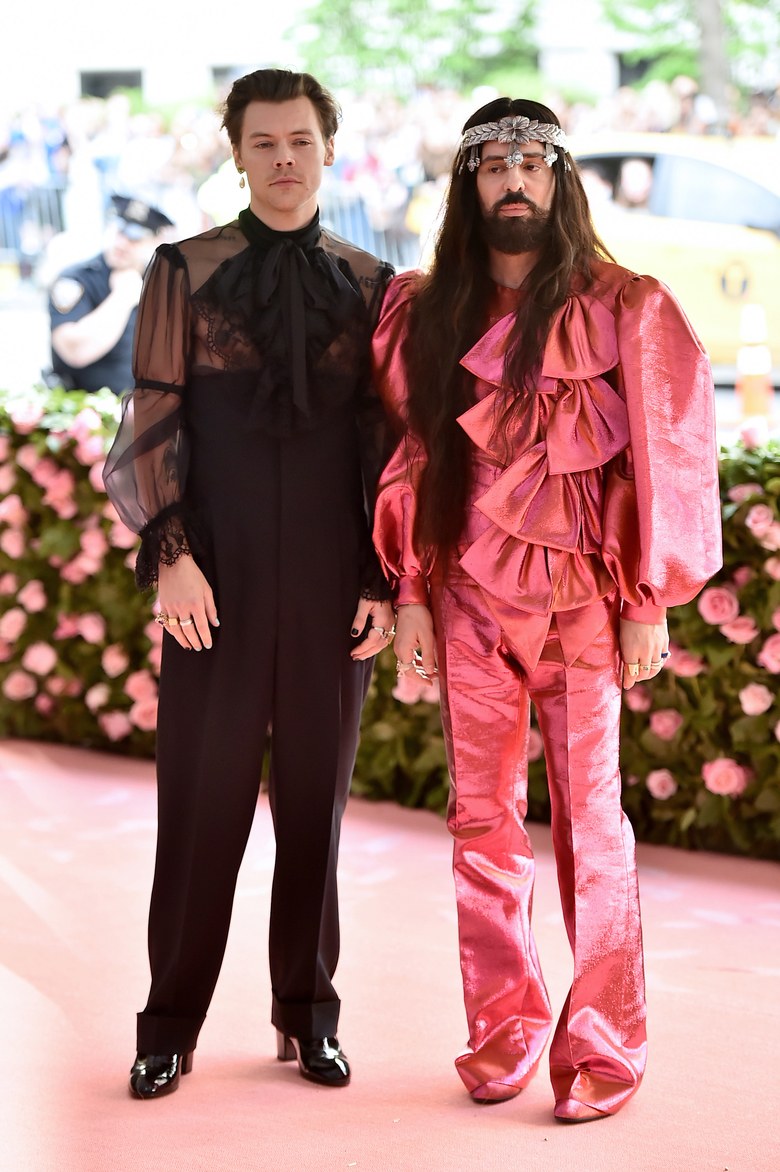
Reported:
(742, 576)
(725, 776)
(410, 688)
(109, 512)
(12, 511)
(56, 685)
(755, 699)
(84, 424)
(632, 780)
(771, 539)
(92, 627)
(661, 783)
(684, 663)
(6, 651)
(28, 457)
(39, 658)
(94, 543)
(59, 494)
(43, 471)
(12, 543)
(8, 583)
(67, 626)
(776, 619)
(95, 476)
(91, 450)
(777, 731)
(772, 567)
(638, 699)
(97, 696)
(5, 447)
(535, 744)
(44, 704)
(115, 725)
(80, 568)
(742, 630)
(141, 686)
(754, 432)
(665, 723)
(7, 478)
(154, 658)
(759, 519)
(154, 631)
(121, 537)
(12, 623)
(114, 661)
(33, 596)
(768, 656)
(143, 714)
(741, 492)
(25, 416)
(19, 686)
(718, 604)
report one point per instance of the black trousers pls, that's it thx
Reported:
(285, 571)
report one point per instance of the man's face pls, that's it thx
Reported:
(515, 200)
(122, 252)
(283, 153)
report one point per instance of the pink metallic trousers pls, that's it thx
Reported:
(598, 1049)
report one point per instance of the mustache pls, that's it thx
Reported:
(514, 197)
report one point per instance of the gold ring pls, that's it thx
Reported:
(657, 663)
(647, 666)
(161, 619)
(633, 669)
(172, 620)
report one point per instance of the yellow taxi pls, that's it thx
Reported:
(703, 215)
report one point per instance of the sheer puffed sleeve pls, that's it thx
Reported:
(146, 468)
(398, 484)
(662, 539)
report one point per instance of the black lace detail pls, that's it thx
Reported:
(374, 585)
(173, 534)
(293, 315)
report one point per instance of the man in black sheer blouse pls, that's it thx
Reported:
(247, 459)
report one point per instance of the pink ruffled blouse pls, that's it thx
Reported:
(612, 481)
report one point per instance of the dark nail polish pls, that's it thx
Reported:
(355, 631)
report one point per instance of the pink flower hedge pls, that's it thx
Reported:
(80, 654)
(73, 637)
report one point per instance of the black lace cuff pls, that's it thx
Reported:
(163, 541)
(373, 585)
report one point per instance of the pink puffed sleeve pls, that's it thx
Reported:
(397, 494)
(662, 521)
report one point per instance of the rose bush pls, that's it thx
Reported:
(80, 656)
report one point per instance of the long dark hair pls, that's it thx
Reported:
(448, 316)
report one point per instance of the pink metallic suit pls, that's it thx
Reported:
(608, 499)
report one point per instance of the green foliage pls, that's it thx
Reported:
(79, 655)
(398, 45)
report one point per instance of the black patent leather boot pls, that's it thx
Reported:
(320, 1060)
(155, 1075)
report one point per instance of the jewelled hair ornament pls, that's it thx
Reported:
(513, 129)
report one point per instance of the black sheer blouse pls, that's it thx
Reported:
(286, 315)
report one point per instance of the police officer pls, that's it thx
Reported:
(92, 305)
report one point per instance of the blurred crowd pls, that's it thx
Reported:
(59, 167)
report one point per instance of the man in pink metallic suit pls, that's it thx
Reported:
(555, 490)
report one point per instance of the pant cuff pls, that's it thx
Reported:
(167, 1035)
(303, 1019)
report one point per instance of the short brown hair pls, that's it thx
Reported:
(278, 85)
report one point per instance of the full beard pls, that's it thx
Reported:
(515, 234)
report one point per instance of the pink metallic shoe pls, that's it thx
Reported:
(494, 1092)
(573, 1111)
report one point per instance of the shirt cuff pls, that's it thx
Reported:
(412, 590)
(648, 612)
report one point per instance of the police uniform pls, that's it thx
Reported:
(81, 288)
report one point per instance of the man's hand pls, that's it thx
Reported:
(382, 623)
(186, 598)
(644, 649)
(415, 645)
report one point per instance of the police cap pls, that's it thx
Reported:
(137, 217)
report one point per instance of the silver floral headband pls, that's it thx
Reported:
(514, 129)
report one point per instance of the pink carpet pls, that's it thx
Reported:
(76, 853)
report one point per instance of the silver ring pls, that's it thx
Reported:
(185, 622)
